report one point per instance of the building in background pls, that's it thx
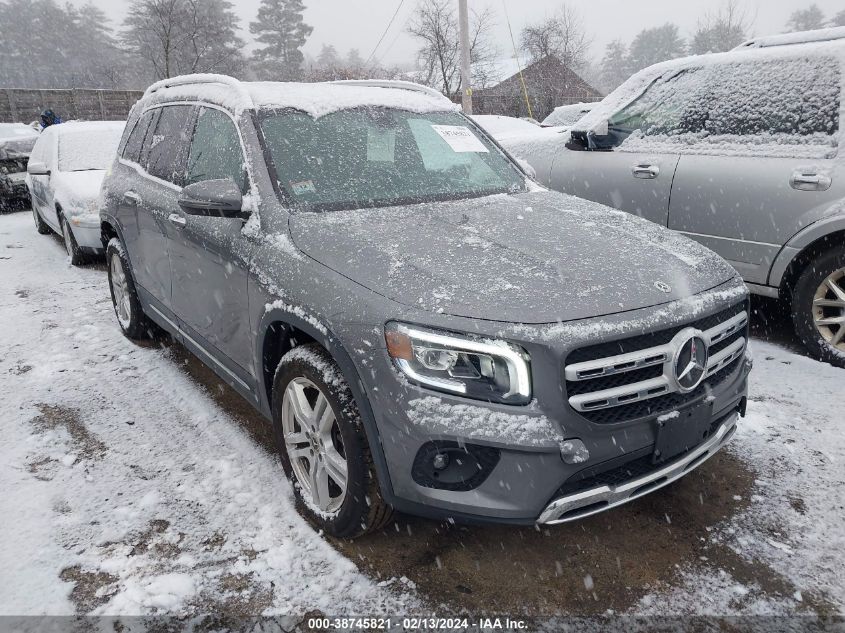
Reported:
(549, 84)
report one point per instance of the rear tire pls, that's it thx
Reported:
(321, 441)
(818, 307)
(74, 253)
(40, 224)
(124, 296)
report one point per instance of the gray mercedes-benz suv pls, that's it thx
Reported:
(427, 328)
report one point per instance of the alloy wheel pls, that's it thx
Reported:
(829, 310)
(120, 291)
(314, 445)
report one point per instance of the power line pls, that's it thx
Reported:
(518, 63)
(383, 35)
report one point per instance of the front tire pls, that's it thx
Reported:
(127, 305)
(40, 224)
(323, 447)
(74, 253)
(818, 307)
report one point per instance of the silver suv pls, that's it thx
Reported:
(741, 151)
(426, 327)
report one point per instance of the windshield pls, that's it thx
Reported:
(93, 148)
(370, 157)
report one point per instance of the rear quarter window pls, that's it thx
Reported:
(132, 149)
(168, 144)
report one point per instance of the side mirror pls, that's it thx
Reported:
(577, 142)
(37, 168)
(214, 199)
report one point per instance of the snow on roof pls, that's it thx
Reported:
(316, 99)
(636, 84)
(801, 37)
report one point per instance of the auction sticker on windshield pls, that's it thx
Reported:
(460, 138)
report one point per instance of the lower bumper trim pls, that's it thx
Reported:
(589, 502)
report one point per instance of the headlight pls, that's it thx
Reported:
(494, 371)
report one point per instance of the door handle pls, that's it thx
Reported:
(132, 198)
(178, 220)
(645, 172)
(810, 182)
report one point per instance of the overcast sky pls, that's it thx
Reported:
(359, 23)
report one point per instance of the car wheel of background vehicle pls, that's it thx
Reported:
(40, 225)
(127, 306)
(323, 446)
(818, 307)
(77, 257)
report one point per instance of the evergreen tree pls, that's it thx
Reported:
(614, 65)
(838, 19)
(328, 57)
(808, 19)
(655, 45)
(281, 27)
(354, 59)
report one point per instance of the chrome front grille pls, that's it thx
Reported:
(640, 379)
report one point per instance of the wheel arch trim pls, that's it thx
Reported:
(324, 336)
(799, 244)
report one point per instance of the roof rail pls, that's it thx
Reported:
(801, 37)
(396, 84)
(199, 78)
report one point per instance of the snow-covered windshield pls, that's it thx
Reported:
(88, 148)
(567, 115)
(369, 157)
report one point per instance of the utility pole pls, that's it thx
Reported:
(466, 66)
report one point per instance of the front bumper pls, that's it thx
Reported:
(529, 475)
(86, 231)
(583, 504)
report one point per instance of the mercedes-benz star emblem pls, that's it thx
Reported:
(691, 363)
(662, 286)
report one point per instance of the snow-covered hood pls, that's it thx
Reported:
(16, 140)
(529, 258)
(78, 191)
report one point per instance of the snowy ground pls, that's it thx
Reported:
(133, 483)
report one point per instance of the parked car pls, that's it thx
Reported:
(568, 115)
(741, 151)
(500, 127)
(65, 173)
(427, 328)
(16, 142)
(520, 136)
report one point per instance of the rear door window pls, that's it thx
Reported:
(168, 145)
(216, 150)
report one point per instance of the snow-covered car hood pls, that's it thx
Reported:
(16, 139)
(529, 258)
(78, 191)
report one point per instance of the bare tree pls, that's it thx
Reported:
(184, 36)
(563, 36)
(435, 23)
(721, 30)
(838, 19)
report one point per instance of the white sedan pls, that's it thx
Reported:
(65, 171)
